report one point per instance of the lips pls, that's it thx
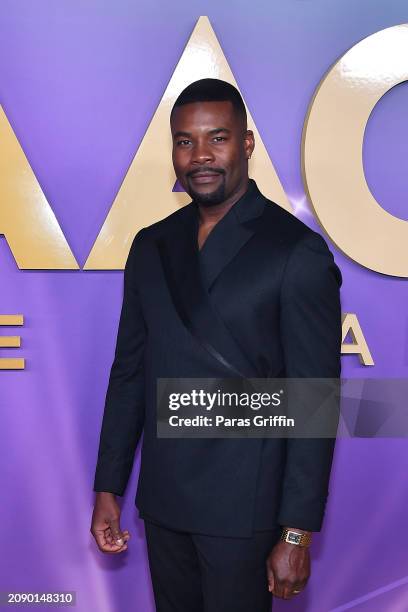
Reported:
(205, 177)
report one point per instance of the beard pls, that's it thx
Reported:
(211, 198)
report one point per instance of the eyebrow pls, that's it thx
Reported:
(220, 129)
(212, 132)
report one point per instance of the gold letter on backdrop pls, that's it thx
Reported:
(26, 219)
(332, 152)
(146, 193)
(359, 346)
(11, 363)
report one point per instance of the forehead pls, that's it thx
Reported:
(204, 115)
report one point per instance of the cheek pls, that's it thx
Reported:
(234, 164)
(178, 161)
(181, 157)
(232, 155)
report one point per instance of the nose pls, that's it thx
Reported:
(202, 153)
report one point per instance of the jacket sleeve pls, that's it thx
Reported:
(123, 417)
(311, 340)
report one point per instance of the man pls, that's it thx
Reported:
(230, 285)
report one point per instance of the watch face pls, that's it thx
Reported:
(293, 538)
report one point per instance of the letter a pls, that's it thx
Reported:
(146, 194)
(26, 219)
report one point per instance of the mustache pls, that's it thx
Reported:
(205, 170)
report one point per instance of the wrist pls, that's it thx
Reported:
(296, 529)
(296, 537)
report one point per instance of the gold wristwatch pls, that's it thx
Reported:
(295, 537)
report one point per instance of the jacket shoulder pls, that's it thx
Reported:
(289, 228)
(167, 223)
(148, 235)
(278, 216)
(306, 249)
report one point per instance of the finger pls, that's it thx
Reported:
(117, 533)
(297, 585)
(271, 578)
(289, 590)
(111, 540)
(114, 552)
(113, 547)
(278, 590)
(104, 545)
(100, 539)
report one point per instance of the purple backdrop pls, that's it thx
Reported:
(79, 82)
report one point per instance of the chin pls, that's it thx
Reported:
(209, 198)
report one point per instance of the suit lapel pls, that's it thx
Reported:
(221, 247)
(190, 273)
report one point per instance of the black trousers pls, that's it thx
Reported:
(202, 573)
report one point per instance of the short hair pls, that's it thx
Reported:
(212, 90)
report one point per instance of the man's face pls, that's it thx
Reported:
(211, 147)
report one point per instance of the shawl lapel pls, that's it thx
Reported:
(190, 273)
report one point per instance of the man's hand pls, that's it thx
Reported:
(105, 526)
(288, 569)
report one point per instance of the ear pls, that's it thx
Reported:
(249, 143)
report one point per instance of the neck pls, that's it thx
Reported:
(210, 215)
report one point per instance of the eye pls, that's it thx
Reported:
(183, 142)
(219, 138)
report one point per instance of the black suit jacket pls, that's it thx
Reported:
(261, 299)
